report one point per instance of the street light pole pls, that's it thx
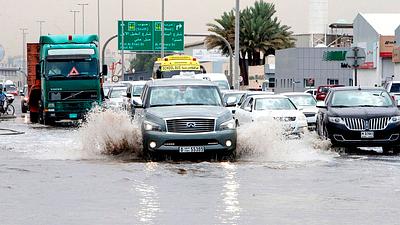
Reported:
(98, 21)
(237, 24)
(122, 40)
(83, 16)
(74, 12)
(162, 29)
(40, 26)
(23, 49)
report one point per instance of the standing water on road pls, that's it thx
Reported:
(57, 175)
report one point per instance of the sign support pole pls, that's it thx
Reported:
(162, 29)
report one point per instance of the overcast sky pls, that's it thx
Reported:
(15, 14)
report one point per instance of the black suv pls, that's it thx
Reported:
(185, 117)
(360, 117)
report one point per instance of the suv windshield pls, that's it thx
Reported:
(274, 104)
(71, 68)
(363, 98)
(184, 95)
(303, 100)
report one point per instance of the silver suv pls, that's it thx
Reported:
(185, 117)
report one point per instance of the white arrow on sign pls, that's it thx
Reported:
(179, 26)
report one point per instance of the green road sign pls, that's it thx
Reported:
(146, 35)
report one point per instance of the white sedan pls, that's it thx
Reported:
(260, 108)
(307, 103)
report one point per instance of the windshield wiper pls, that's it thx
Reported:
(340, 106)
(367, 106)
(192, 104)
(160, 105)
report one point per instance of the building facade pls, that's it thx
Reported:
(396, 53)
(299, 69)
(376, 34)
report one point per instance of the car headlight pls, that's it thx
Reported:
(336, 120)
(150, 126)
(228, 125)
(394, 119)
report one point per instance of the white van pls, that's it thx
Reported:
(218, 78)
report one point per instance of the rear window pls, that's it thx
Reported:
(395, 88)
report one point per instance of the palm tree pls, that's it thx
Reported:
(260, 32)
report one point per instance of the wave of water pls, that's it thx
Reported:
(110, 132)
(266, 141)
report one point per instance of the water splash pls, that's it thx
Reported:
(266, 141)
(110, 132)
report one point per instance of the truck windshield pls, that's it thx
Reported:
(184, 95)
(71, 68)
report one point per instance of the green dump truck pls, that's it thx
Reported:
(64, 79)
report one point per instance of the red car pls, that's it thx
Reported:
(323, 90)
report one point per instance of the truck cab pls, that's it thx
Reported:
(64, 79)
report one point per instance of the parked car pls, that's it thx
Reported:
(233, 96)
(360, 117)
(322, 91)
(115, 97)
(185, 116)
(262, 107)
(307, 104)
(24, 99)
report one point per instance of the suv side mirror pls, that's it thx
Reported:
(38, 70)
(247, 108)
(137, 103)
(128, 95)
(104, 70)
(321, 104)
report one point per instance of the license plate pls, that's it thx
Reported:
(190, 149)
(367, 134)
(73, 116)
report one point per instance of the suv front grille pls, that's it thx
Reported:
(190, 125)
(361, 124)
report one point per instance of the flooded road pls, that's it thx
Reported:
(63, 176)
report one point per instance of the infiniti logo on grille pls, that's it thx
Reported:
(191, 125)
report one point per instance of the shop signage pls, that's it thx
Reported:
(386, 45)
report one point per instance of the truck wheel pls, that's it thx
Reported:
(33, 117)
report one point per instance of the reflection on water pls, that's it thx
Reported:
(230, 214)
(149, 204)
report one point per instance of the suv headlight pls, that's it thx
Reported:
(336, 120)
(228, 125)
(150, 126)
(394, 119)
